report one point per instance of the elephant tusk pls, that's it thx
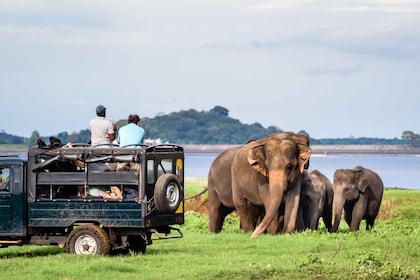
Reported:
(260, 229)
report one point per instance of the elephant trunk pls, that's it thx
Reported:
(338, 210)
(277, 186)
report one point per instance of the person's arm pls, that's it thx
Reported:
(113, 135)
(76, 162)
(115, 194)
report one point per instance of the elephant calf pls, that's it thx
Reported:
(315, 201)
(359, 191)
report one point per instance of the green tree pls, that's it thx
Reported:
(63, 136)
(33, 140)
(220, 110)
(411, 138)
(84, 136)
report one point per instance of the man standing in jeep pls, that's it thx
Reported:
(102, 130)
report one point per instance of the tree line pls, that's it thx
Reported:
(206, 127)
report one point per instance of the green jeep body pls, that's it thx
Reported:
(41, 199)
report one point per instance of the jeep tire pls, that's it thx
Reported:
(88, 240)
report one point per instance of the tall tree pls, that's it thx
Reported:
(411, 138)
(33, 140)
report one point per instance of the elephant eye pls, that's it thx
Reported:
(289, 168)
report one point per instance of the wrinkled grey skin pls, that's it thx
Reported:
(315, 201)
(312, 198)
(266, 171)
(328, 201)
(220, 201)
(359, 192)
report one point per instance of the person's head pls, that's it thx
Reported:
(134, 118)
(100, 111)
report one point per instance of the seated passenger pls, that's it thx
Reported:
(130, 135)
(98, 192)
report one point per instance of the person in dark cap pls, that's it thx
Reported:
(102, 131)
(100, 110)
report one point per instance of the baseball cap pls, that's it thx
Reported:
(100, 110)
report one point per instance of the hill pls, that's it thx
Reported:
(205, 127)
(213, 127)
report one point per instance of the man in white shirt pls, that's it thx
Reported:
(102, 131)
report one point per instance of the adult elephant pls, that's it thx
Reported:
(263, 173)
(359, 191)
(315, 201)
(219, 186)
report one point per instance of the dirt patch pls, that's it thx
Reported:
(198, 204)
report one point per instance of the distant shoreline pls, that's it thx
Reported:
(317, 150)
(323, 150)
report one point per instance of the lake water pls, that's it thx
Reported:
(395, 171)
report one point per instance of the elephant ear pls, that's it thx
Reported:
(304, 155)
(362, 182)
(256, 159)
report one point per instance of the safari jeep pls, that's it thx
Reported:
(45, 197)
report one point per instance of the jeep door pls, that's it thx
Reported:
(11, 200)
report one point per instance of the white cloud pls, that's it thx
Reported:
(259, 59)
(285, 4)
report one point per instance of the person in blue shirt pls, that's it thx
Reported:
(130, 135)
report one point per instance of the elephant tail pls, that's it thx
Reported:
(197, 194)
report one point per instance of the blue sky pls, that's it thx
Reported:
(331, 68)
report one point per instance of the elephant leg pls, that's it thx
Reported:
(358, 212)
(314, 214)
(223, 212)
(291, 208)
(348, 212)
(371, 213)
(246, 220)
(274, 225)
(256, 213)
(217, 213)
(327, 217)
(369, 222)
(214, 218)
(281, 218)
(300, 222)
(313, 224)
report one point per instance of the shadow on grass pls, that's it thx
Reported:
(29, 251)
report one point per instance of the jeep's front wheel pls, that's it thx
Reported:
(88, 240)
(167, 193)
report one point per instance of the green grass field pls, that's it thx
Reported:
(389, 251)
